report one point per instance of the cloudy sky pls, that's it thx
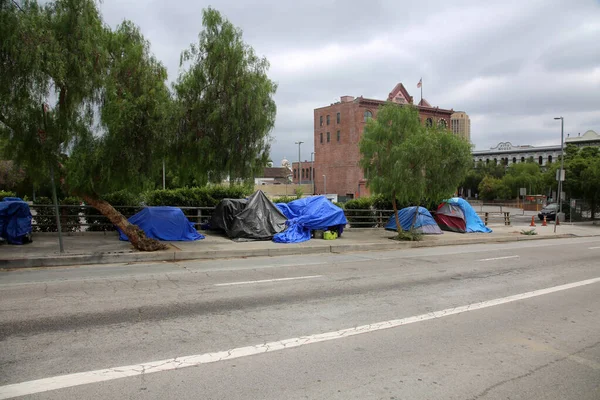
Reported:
(512, 65)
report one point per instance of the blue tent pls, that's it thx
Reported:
(473, 222)
(424, 222)
(308, 214)
(164, 223)
(15, 220)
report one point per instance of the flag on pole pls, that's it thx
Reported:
(420, 83)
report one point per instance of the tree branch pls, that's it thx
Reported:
(3, 120)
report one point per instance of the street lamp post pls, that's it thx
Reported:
(312, 171)
(299, 163)
(562, 160)
(325, 185)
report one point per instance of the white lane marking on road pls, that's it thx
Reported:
(498, 258)
(102, 375)
(268, 280)
(594, 248)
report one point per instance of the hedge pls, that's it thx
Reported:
(45, 218)
(4, 193)
(365, 218)
(284, 199)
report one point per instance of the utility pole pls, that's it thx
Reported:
(560, 175)
(299, 163)
(312, 171)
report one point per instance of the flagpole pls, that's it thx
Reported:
(421, 90)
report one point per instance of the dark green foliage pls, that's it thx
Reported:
(284, 199)
(4, 194)
(409, 236)
(125, 202)
(225, 106)
(340, 205)
(360, 213)
(45, 216)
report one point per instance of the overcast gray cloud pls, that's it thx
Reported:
(511, 65)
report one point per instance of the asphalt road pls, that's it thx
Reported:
(464, 322)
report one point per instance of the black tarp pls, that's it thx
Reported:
(254, 218)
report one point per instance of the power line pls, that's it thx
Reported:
(18, 6)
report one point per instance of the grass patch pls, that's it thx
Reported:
(530, 232)
(409, 236)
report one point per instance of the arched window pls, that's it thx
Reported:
(514, 160)
(302, 173)
(429, 122)
(442, 123)
(294, 174)
(549, 159)
(522, 159)
(368, 115)
(487, 160)
(495, 161)
(541, 160)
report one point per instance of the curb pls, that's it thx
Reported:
(121, 258)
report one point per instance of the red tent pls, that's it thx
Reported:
(450, 218)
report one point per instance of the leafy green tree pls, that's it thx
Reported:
(527, 175)
(492, 188)
(409, 163)
(225, 104)
(62, 55)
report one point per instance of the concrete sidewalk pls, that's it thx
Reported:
(105, 248)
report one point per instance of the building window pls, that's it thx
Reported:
(328, 120)
(321, 120)
(514, 160)
(522, 159)
(302, 173)
(549, 160)
(339, 118)
(540, 160)
(487, 160)
(429, 122)
(321, 139)
(294, 174)
(495, 161)
(442, 123)
(310, 172)
(368, 115)
(328, 137)
(338, 136)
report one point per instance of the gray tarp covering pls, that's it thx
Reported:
(255, 218)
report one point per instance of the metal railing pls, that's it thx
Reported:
(79, 218)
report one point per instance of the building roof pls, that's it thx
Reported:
(400, 91)
(276, 172)
(586, 137)
(424, 103)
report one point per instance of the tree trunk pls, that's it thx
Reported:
(398, 227)
(412, 225)
(136, 236)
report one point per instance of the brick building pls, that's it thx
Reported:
(337, 132)
(303, 172)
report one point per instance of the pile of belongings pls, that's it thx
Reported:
(15, 221)
(164, 223)
(254, 218)
(307, 214)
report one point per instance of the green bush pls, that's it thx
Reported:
(340, 205)
(208, 196)
(4, 193)
(360, 213)
(125, 202)
(284, 199)
(45, 218)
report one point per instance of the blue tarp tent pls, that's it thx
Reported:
(473, 222)
(15, 221)
(164, 223)
(308, 214)
(424, 222)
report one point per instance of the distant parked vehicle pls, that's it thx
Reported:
(551, 210)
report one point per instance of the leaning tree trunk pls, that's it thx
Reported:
(412, 225)
(398, 227)
(136, 236)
